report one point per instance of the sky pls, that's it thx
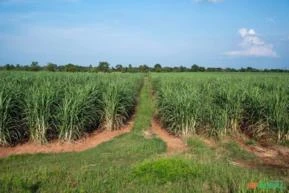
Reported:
(210, 33)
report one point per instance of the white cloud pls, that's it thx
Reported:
(252, 45)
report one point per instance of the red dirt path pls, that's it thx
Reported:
(88, 142)
(272, 156)
(174, 144)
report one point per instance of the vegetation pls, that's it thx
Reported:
(166, 170)
(105, 67)
(218, 104)
(43, 106)
(130, 163)
(11, 111)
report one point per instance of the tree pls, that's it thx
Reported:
(213, 69)
(18, 67)
(90, 68)
(70, 68)
(143, 68)
(119, 68)
(195, 68)
(34, 66)
(51, 67)
(157, 68)
(9, 67)
(103, 67)
(130, 69)
(183, 69)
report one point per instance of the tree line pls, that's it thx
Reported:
(106, 67)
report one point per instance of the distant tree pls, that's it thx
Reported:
(167, 69)
(95, 69)
(143, 68)
(195, 68)
(119, 68)
(130, 68)
(90, 68)
(26, 68)
(18, 67)
(9, 67)
(248, 69)
(70, 68)
(215, 69)
(183, 69)
(103, 67)
(51, 67)
(61, 68)
(157, 68)
(231, 70)
(125, 69)
(202, 69)
(34, 66)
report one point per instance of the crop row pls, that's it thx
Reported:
(45, 106)
(218, 104)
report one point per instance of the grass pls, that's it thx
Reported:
(40, 105)
(128, 163)
(199, 149)
(165, 170)
(236, 152)
(77, 115)
(106, 168)
(11, 104)
(45, 106)
(221, 103)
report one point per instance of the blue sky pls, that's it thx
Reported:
(216, 33)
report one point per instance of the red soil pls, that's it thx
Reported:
(88, 142)
(174, 144)
(271, 156)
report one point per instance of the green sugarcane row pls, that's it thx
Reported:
(45, 106)
(217, 104)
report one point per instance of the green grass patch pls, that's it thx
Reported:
(165, 170)
(198, 146)
(236, 152)
(184, 174)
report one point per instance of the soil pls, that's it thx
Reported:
(268, 156)
(209, 142)
(92, 140)
(273, 156)
(174, 144)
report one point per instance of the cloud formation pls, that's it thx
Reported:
(252, 45)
